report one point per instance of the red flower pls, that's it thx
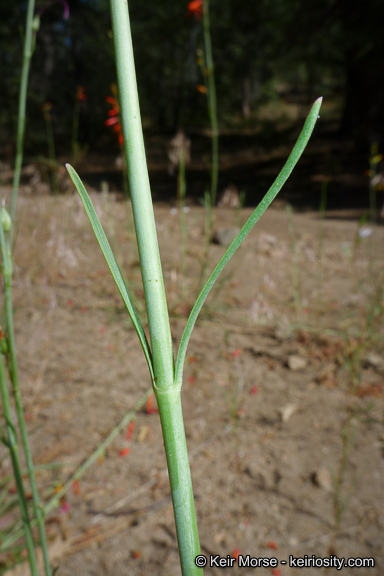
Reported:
(124, 452)
(195, 8)
(76, 487)
(64, 507)
(149, 407)
(236, 554)
(272, 545)
(131, 427)
(114, 114)
(80, 93)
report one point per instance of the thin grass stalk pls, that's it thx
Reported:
(320, 275)
(168, 397)
(11, 443)
(13, 372)
(208, 221)
(212, 103)
(295, 268)
(27, 55)
(183, 218)
(13, 450)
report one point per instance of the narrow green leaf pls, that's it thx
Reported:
(255, 216)
(112, 264)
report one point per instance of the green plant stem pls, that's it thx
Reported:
(208, 223)
(183, 219)
(295, 269)
(27, 55)
(13, 372)
(212, 102)
(320, 275)
(12, 446)
(171, 417)
(159, 328)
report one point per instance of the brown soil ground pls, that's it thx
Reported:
(282, 395)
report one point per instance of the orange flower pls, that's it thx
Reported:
(47, 107)
(201, 89)
(64, 507)
(131, 427)
(114, 114)
(76, 487)
(149, 407)
(236, 554)
(136, 554)
(195, 8)
(80, 93)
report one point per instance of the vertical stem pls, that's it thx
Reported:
(13, 372)
(171, 417)
(167, 392)
(183, 219)
(13, 449)
(295, 269)
(153, 283)
(212, 107)
(28, 42)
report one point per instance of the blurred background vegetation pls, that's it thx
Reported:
(266, 52)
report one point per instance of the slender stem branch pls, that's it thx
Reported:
(13, 449)
(13, 372)
(212, 102)
(27, 55)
